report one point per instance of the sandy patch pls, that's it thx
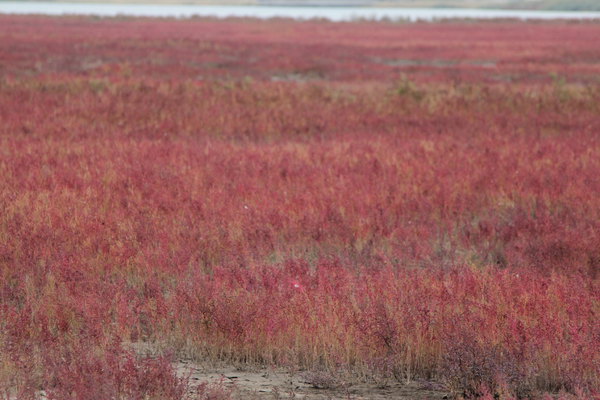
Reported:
(256, 383)
(280, 384)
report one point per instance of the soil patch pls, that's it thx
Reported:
(281, 384)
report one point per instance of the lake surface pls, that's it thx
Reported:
(331, 13)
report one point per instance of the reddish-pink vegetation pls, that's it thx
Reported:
(280, 49)
(438, 226)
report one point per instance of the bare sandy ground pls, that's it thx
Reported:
(281, 384)
(256, 383)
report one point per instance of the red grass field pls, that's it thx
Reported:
(380, 200)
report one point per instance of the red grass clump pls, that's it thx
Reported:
(330, 211)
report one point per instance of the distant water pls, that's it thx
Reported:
(330, 13)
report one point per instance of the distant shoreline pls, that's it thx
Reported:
(335, 14)
(534, 5)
